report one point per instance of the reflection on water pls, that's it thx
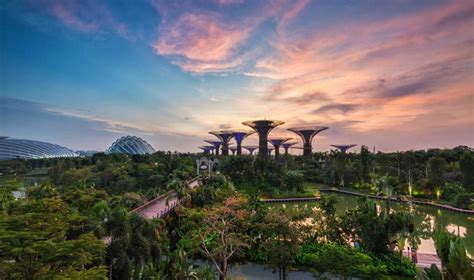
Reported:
(427, 219)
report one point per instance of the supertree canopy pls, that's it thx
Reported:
(276, 142)
(207, 149)
(344, 148)
(263, 128)
(216, 144)
(251, 149)
(287, 146)
(307, 133)
(224, 136)
(239, 136)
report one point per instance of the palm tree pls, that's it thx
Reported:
(452, 252)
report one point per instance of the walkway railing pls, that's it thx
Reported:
(316, 198)
(170, 206)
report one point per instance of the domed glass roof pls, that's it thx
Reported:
(11, 148)
(130, 145)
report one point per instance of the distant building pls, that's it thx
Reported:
(131, 145)
(11, 148)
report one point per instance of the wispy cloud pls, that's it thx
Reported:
(89, 16)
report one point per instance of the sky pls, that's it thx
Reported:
(397, 75)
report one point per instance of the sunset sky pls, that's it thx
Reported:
(396, 74)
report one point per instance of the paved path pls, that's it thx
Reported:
(425, 260)
(443, 206)
(162, 205)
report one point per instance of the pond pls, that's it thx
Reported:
(426, 219)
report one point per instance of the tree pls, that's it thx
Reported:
(281, 240)
(452, 252)
(220, 234)
(364, 164)
(436, 169)
(467, 170)
(34, 243)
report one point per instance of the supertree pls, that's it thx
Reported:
(276, 142)
(216, 144)
(224, 136)
(239, 136)
(206, 149)
(307, 133)
(344, 148)
(263, 128)
(251, 149)
(287, 146)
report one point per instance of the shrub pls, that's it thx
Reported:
(339, 260)
(462, 200)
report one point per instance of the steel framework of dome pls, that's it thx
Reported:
(307, 133)
(276, 142)
(263, 128)
(239, 136)
(216, 144)
(344, 148)
(224, 136)
(11, 148)
(131, 145)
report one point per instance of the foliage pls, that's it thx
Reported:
(467, 170)
(452, 252)
(339, 260)
(34, 242)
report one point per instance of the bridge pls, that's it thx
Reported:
(162, 205)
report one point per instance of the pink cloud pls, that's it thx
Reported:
(87, 17)
(203, 41)
(385, 69)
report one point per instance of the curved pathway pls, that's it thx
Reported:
(163, 204)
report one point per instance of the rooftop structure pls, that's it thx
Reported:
(263, 128)
(11, 148)
(131, 145)
(307, 133)
(216, 144)
(251, 149)
(206, 149)
(344, 148)
(239, 136)
(287, 146)
(224, 136)
(276, 142)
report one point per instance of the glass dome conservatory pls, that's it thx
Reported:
(11, 148)
(130, 145)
